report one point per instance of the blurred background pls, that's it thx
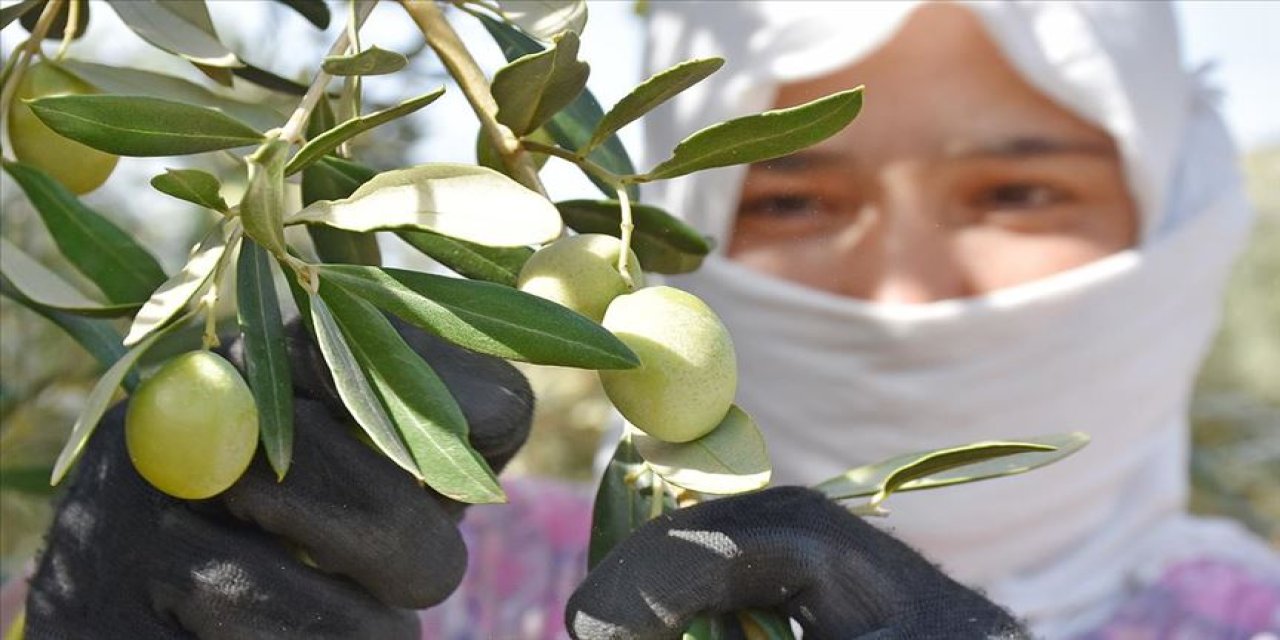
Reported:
(44, 376)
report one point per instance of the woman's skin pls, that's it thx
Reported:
(957, 179)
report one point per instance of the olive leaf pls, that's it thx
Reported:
(42, 286)
(262, 207)
(760, 136)
(181, 28)
(370, 62)
(730, 459)
(536, 86)
(424, 412)
(332, 178)
(956, 465)
(315, 11)
(543, 19)
(649, 94)
(176, 293)
(99, 399)
(125, 272)
(266, 359)
(663, 243)
(486, 317)
(476, 261)
(98, 337)
(136, 82)
(354, 389)
(14, 11)
(572, 126)
(624, 501)
(142, 126)
(320, 145)
(457, 200)
(200, 188)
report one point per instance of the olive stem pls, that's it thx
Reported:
(25, 50)
(624, 203)
(578, 159)
(464, 69)
(659, 492)
(208, 302)
(292, 130)
(70, 31)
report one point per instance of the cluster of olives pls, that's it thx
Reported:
(688, 372)
(78, 167)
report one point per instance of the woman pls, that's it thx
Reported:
(1026, 231)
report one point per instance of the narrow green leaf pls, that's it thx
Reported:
(486, 317)
(97, 403)
(572, 126)
(534, 87)
(136, 82)
(177, 292)
(651, 93)
(458, 200)
(761, 136)
(370, 62)
(315, 11)
(468, 259)
(267, 361)
(428, 418)
(58, 27)
(268, 80)
(730, 459)
(662, 242)
(543, 19)
(624, 500)
(320, 145)
(41, 285)
(177, 29)
(262, 208)
(354, 389)
(123, 270)
(31, 480)
(98, 337)
(200, 188)
(945, 467)
(142, 126)
(14, 11)
(332, 178)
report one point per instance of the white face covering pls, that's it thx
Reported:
(1110, 348)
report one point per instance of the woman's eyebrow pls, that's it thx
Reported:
(1030, 146)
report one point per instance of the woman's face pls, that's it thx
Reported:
(958, 178)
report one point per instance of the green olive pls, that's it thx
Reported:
(688, 372)
(580, 272)
(78, 167)
(192, 428)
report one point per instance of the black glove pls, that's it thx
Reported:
(123, 560)
(788, 549)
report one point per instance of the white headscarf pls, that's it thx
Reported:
(1109, 348)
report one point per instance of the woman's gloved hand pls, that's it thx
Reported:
(788, 549)
(123, 560)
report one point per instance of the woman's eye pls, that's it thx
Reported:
(783, 206)
(1021, 196)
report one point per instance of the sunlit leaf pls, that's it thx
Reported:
(624, 501)
(426, 415)
(370, 62)
(543, 19)
(945, 467)
(175, 294)
(462, 201)
(44, 287)
(354, 389)
(142, 126)
(179, 30)
(200, 188)
(266, 359)
(533, 88)
(326, 142)
(761, 136)
(730, 459)
(123, 270)
(651, 93)
(262, 207)
(96, 404)
(486, 317)
(662, 242)
(476, 261)
(315, 11)
(572, 126)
